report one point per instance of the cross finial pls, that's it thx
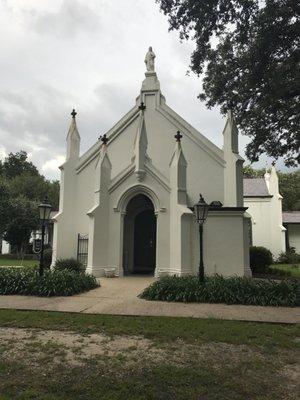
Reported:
(142, 106)
(273, 163)
(104, 139)
(178, 136)
(73, 113)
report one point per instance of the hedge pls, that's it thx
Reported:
(70, 264)
(218, 289)
(260, 259)
(27, 281)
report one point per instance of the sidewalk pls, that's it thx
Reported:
(119, 296)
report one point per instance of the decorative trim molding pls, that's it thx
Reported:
(133, 191)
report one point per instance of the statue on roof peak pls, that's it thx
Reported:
(149, 60)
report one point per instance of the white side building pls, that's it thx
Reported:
(131, 195)
(264, 202)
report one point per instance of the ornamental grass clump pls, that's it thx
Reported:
(218, 289)
(27, 281)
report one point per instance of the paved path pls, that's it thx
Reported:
(119, 296)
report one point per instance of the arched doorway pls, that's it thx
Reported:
(139, 243)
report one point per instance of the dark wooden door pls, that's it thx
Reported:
(144, 242)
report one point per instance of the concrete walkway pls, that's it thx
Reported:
(119, 296)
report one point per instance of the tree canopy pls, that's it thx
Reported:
(17, 164)
(248, 52)
(22, 188)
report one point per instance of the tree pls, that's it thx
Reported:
(4, 206)
(24, 218)
(35, 188)
(289, 188)
(21, 189)
(250, 172)
(17, 164)
(249, 53)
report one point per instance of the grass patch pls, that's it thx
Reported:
(185, 358)
(293, 269)
(218, 289)
(5, 262)
(162, 329)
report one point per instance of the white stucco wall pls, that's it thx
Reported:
(223, 242)
(267, 229)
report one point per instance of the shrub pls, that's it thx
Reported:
(217, 289)
(27, 281)
(260, 258)
(47, 257)
(70, 264)
(289, 257)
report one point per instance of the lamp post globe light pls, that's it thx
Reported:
(44, 210)
(201, 210)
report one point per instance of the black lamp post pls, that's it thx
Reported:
(201, 211)
(45, 210)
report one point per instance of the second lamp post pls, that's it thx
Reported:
(45, 210)
(201, 211)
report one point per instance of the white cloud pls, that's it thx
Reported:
(51, 166)
(3, 153)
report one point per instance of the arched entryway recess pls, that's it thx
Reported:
(139, 236)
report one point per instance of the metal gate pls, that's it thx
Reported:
(82, 249)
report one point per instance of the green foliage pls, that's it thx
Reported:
(23, 220)
(16, 165)
(289, 257)
(27, 281)
(34, 188)
(252, 66)
(217, 289)
(70, 264)
(21, 189)
(289, 188)
(250, 172)
(4, 205)
(47, 257)
(260, 258)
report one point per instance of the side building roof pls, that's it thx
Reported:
(291, 217)
(255, 187)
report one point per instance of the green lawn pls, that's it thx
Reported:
(294, 269)
(4, 262)
(51, 355)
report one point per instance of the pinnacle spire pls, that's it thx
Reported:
(73, 138)
(140, 148)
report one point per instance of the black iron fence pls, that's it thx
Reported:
(82, 249)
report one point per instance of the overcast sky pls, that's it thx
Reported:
(89, 55)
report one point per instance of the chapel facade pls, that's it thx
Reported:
(131, 195)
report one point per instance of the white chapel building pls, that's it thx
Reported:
(131, 195)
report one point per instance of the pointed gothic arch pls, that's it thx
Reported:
(139, 236)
